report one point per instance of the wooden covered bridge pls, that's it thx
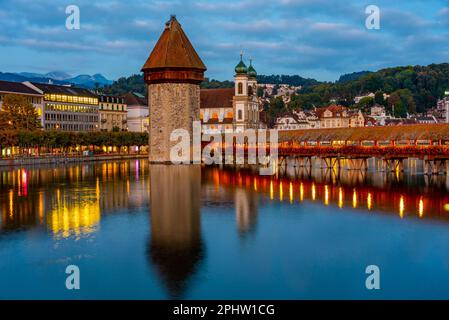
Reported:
(391, 144)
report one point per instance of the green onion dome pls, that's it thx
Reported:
(241, 67)
(251, 71)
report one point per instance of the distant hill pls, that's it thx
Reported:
(411, 88)
(89, 81)
(352, 76)
(14, 77)
(135, 83)
(124, 85)
(58, 77)
(293, 80)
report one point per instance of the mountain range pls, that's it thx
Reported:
(58, 77)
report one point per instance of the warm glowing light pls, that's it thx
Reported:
(301, 192)
(421, 208)
(255, 184)
(401, 207)
(24, 182)
(354, 199)
(326, 195)
(446, 207)
(291, 192)
(340, 197)
(41, 207)
(369, 201)
(313, 191)
(271, 190)
(281, 192)
(11, 203)
(79, 218)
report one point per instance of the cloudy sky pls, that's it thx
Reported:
(321, 39)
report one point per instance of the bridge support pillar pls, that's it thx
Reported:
(358, 164)
(435, 167)
(331, 163)
(305, 162)
(393, 165)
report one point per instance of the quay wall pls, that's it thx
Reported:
(66, 159)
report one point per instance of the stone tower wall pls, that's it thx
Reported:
(172, 106)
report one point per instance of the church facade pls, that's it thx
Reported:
(232, 109)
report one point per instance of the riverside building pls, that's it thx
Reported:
(112, 113)
(33, 96)
(67, 108)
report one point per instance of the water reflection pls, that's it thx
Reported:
(393, 193)
(75, 202)
(175, 247)
(69, 200)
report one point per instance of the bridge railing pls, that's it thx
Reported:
(367, 151)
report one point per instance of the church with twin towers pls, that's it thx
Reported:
(173, 73)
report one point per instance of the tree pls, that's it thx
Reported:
(379, 98)
(277, 107)
(402, 102)
(260, 92)
(4, 121)
(365, 103)
(19, 113)
(295, 102)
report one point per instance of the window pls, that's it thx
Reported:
(240, 88)
(240, 116)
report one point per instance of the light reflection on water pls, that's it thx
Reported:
(192, 232)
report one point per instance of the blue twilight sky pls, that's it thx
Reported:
(313, 38)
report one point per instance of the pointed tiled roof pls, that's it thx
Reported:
(173, 50)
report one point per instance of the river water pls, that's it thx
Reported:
(140, 231)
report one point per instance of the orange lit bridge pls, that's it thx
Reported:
(391, 145)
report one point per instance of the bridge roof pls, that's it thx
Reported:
(402, 132)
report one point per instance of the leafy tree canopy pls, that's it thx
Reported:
(18, 113)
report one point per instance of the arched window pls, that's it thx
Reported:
(240, 114)
(250, 90)
(240, 88)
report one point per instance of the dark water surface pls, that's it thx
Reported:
(155, 232)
